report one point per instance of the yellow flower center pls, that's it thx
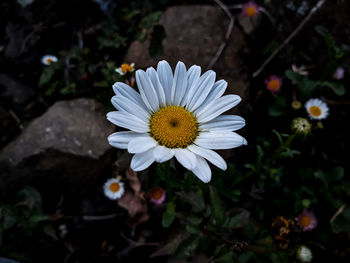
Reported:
(315, 111)
(173, 127)
(296, 105)
(157, 194)
(250, 11)
(274, 85)
(114, 187)
(304, 221)
(49, 60)
(126, 68)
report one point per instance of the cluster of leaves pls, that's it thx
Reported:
(25, 231)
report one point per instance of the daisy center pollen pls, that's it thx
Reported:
(315, 111)
(126, 68)
(114, 187)
(157, 194)
(274, 85)
(250, 11)
(173, 127)
(305, 221)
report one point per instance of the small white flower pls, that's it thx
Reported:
(125, 68)
(113, 188)
(317, 109)
(304, 254)
(48, 59)
(175, 115)
(300, 70)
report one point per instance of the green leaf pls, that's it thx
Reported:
(192, 229)
(323, 177)
(279, 108)
(187, 247)
(38, 218)
(279, 137)
(226, 258)
(46, 76)
(237, 218)
(289, 153)
(337, 174)
(168, 215)
(337, 88)
(146, 23)
(195, 200)
(217, 206)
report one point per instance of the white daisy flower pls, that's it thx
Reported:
(317, 109)
(304, 254)
(48, 59)
(125, 68)
(175, 115)
(113, 188)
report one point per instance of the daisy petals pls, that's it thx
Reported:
(121, 88)
(147, 91)
(186, 158)
(124, 104)
(179, 87)
(205, 84)
(219, 140)
(141, 144)
(152, 74)
(224, 123)
(217, 107)
(142, 161)
(202, 170)
(210, 155)
(121, 139)
(127, 121)
(162, 154)
(165, 75)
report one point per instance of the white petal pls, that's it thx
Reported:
(216, 92)
(165, 75)
(121, 88)
(223, 123)
(141, 144)
(202, 170)
(152, 74)
(121, 139)
(219, 140)
(147, 91)
(141, 161)
(193, 75)
(205, 84)
(179, 87)
(128, 121)
(124, 104)
(186, 158)
(218, 106)
(163, 154)
(210, 155)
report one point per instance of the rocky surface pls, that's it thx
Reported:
(78, 127)
(193, 35)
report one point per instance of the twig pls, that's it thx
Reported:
(227, 35)
(288, 39)
(339, 211)
(98, 218)
(16, 118)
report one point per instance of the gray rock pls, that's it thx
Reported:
(193, 35)
(77, 127)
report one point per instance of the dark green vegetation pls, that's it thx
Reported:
(234, 218)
